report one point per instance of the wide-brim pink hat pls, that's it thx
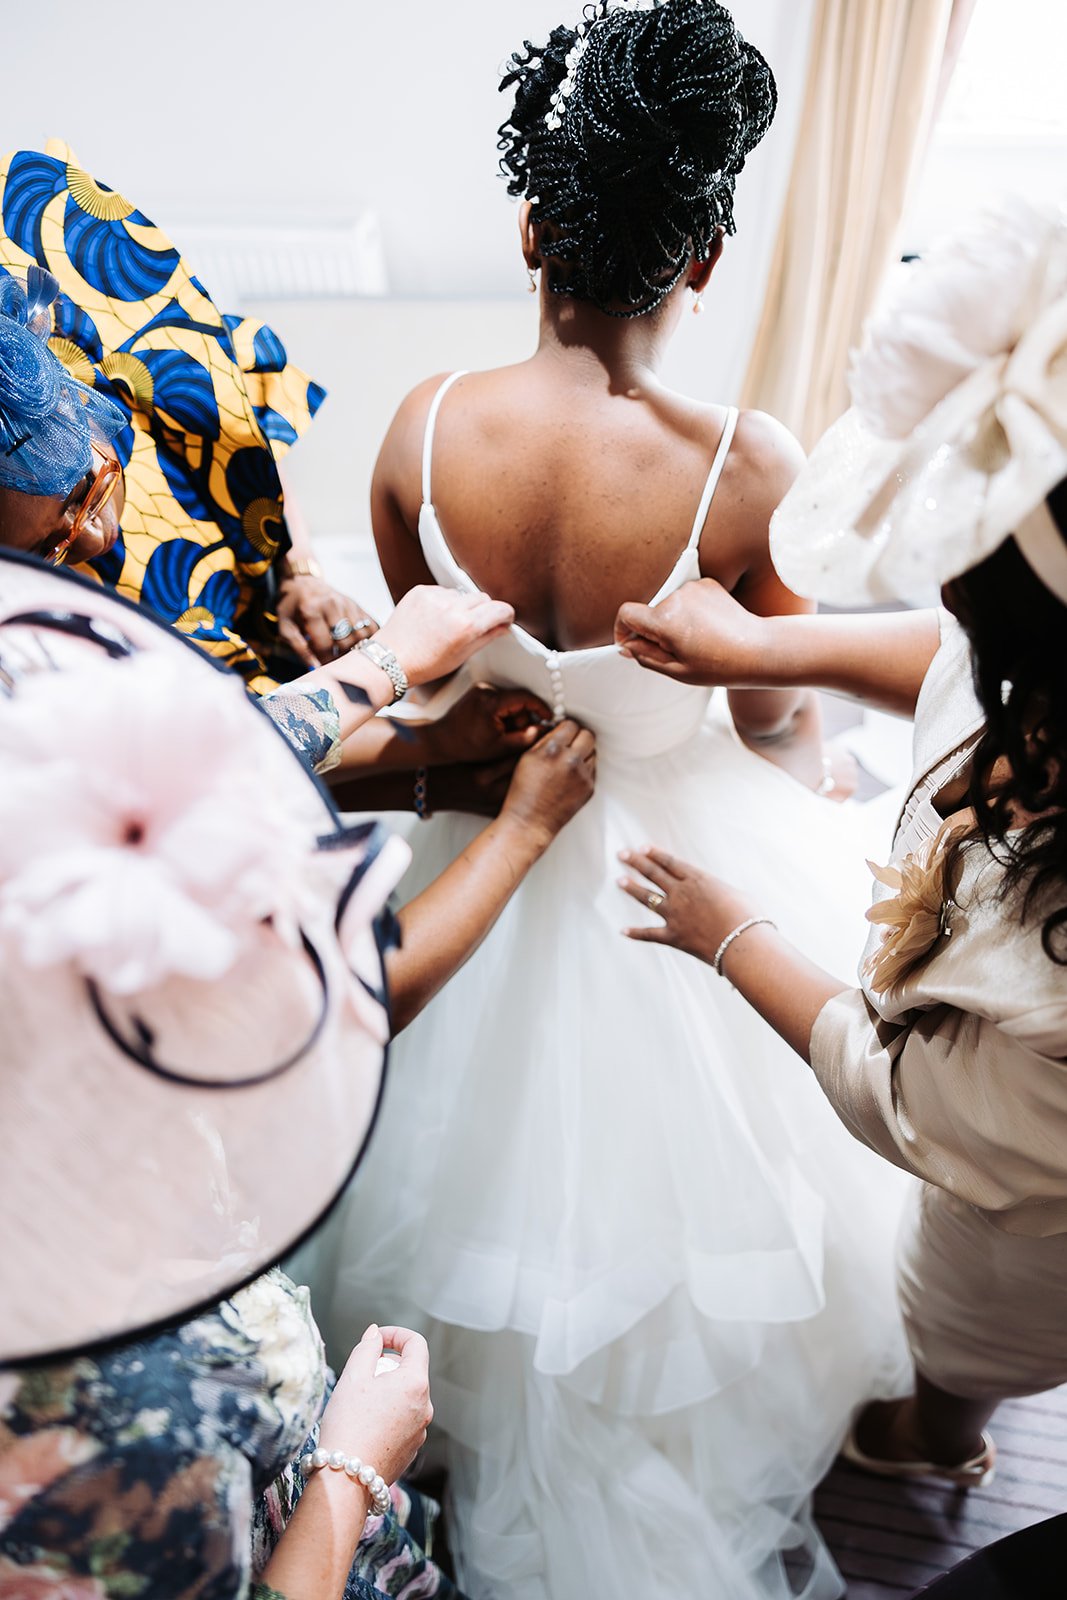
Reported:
(194, 1022)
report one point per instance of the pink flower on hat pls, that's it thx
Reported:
(140, 836)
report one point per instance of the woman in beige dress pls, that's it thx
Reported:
(950, 1058)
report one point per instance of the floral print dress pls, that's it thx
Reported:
(163, 1468)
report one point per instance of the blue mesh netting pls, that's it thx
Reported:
(47, 418)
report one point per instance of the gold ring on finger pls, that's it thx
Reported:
(653, 900)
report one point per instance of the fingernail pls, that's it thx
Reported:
(624, 855)
(622, 882)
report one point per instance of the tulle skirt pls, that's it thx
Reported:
(656, 1272)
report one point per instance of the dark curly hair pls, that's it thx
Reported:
(1018, 631)
(633, 170)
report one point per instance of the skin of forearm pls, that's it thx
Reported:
(785, 988)
(445, 924)
(371, 791)
(314, 1556)
(767, 714)
(797, 746)
(879, 659)
(373, 689)
(377, 746)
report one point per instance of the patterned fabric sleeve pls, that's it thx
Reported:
(213, 403)
(311, 724)
(165, 1467)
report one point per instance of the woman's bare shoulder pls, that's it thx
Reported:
(764, 459)
(401, 450)
(766, 445)
(411, 413)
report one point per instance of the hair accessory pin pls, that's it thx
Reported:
(563, 91)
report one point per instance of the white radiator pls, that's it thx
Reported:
(237, 264)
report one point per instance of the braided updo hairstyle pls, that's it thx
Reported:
(626, 136)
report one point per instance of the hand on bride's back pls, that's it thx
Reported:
(553, 780)
(698, 635)
(433, 631)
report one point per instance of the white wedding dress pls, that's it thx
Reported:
(655, 1271)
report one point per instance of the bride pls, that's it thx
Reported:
(656, 1272)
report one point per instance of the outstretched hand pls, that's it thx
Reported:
(698, 910)
(698, 635)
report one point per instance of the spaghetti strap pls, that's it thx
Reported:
(427, 442)
(713, 477)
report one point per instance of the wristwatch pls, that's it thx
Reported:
(308, 567)
(385, 659)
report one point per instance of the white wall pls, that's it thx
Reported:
(226, 113)
(277, 111)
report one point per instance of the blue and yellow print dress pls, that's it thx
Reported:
(213, 404)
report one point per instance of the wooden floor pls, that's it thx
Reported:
(889, 1538)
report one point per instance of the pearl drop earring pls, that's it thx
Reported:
(698, 303)
(532, 273)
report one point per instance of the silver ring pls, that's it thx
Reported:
(365, 625)
(653, 900)
(342, 630)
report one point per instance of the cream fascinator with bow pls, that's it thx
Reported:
(958, 426)
(194, 1022)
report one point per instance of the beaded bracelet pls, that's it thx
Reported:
(743, 927)
(422, 794)
(354, 1468)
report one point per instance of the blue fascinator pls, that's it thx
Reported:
(47, 418)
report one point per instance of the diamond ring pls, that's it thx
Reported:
(342, 630)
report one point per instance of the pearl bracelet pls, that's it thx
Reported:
(354, 1468)
(752, 922)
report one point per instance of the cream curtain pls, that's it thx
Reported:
(877, 69)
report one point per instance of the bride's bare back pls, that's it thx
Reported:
(566, 494)
(569, 483)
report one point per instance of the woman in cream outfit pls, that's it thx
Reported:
(949, 1059)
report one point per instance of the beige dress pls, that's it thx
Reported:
(957, 1072)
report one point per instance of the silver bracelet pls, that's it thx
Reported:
(387, 662)
(354, 1468)
(752, 922)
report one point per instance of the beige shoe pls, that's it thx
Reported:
(976, 1473)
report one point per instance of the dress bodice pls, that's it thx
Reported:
(633, 712)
